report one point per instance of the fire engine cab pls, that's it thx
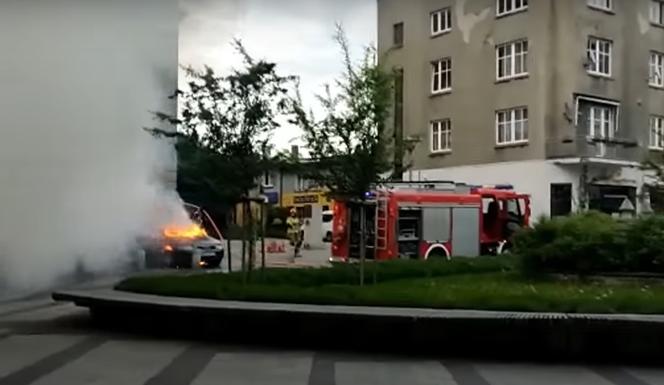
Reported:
(429, 220)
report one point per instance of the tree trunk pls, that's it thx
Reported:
(228, 257)
(229, 223)
(264, 229)
(363, 243)
(244, 240)
(252, 240)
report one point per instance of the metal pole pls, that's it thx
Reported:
(363, 246)
(229, 256)
(244, 235)
(252, 239)
(264, 223)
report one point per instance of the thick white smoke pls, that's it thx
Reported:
(79, 178)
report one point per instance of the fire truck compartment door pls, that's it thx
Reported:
(465, 232)
(436, 224)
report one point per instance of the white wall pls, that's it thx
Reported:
(529, 177)
(535, 178)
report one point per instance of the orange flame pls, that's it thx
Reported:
(192, 231)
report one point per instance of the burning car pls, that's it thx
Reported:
(195, 245)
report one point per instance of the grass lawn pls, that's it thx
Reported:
(483, 284)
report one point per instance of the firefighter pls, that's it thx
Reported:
(294, 231)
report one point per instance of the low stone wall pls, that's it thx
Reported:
(459, 334)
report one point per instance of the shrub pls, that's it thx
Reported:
(582, 244)
(644, 244)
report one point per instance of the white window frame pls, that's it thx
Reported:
(656, 141)
(510, 7)
(597, 54)
(602, 5)
(302, 183)
(591, 129)
(441, 76)
(510, 124)
(656, 69)
(605, 116)
(657, 12)
(443, 17)
(511, 59)
(267, 179)
(440, 134)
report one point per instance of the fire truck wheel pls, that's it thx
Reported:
(504, 248)
(438, 254)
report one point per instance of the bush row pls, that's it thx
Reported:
(338, 274)
(593, 243)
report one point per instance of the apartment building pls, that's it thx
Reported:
(563, 99)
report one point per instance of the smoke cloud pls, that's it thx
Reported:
(79, 178)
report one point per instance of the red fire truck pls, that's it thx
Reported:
(429, 220)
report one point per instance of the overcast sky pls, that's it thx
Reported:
(296, 34)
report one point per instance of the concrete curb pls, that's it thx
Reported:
(458, 333)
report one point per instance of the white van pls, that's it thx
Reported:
(328, 217)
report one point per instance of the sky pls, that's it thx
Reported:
(295, 34)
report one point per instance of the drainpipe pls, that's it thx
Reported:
(583, 186)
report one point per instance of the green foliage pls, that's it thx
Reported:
(593, 243)
(481, 283)
(644, 245)
(224, 129)
(349, 144)
(338, 274)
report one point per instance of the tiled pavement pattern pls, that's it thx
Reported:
(37, 347)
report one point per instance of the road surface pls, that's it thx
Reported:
(45, 343)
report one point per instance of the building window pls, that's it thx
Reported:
(441, 21)
(602, 122)
(512, 126)
(598, 117)
(505, 7)
(609, 199)
(604, 5)
(441, 136)
(656, 78)
(303, 184)
(398, 34)
(657, 133)
(599, 56)
(657, 12)
(512, 60)
(441, 79)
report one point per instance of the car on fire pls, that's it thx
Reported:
(196, 245)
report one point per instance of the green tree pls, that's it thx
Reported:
(349, 144)
(224, 128)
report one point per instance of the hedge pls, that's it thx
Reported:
(593, 243)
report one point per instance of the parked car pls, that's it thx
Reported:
(328, 217)
(197, 245)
